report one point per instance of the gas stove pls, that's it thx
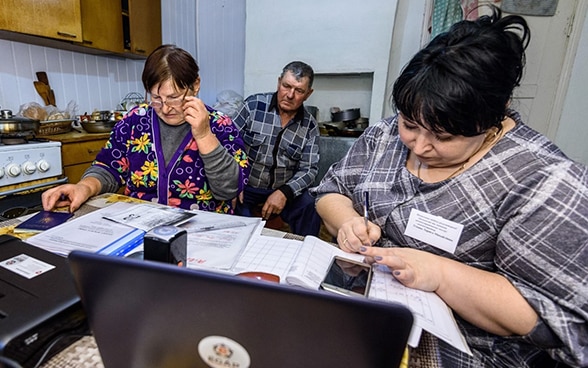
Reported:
(26, 170)
(30, 161)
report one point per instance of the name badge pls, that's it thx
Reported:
(433, 230)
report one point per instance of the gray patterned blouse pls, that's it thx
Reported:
(524, 207)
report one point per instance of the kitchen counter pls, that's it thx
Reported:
(75, 136)
(78, 150)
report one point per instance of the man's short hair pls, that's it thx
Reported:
(300, 70)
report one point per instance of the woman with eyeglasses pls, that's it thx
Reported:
(174, 150)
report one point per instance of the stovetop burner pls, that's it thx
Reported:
(9, 140)
(12, 140)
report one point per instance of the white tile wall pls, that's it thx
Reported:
(91, 82)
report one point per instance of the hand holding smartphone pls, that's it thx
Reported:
(348, 277)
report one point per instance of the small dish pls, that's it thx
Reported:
(262, 276)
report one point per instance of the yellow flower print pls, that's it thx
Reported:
(204, 195)
(137, 178)
(241, 158)
(150, 169)
(141, 144)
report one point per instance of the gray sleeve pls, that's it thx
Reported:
(222, 173)
(108, 182)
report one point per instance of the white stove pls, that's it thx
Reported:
(28, 162)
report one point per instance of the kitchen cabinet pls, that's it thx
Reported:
(142, 26)
(102, 25)
(78, 150)
(127, 28)
(54, 19)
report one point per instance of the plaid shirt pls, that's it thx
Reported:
(524, 207)
(278, 156)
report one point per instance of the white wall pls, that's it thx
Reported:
(220, 46)
(572, 133)
(333, 36)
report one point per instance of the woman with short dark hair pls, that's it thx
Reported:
(467, 201)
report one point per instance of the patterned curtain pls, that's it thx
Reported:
(447, 12)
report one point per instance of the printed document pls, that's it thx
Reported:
(92, 233)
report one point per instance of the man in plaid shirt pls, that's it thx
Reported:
(281, 138)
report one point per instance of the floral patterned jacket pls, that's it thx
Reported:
(133, 154)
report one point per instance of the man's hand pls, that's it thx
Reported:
(274, 204)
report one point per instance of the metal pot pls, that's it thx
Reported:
(16, 125)
(345, 115)
(98, 126)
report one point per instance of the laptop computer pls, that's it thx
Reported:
(40, 310)
(151, 314)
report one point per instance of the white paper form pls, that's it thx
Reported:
(90, 232)
(430, 312)
(218, 246)
(268, 254)
(149, 216)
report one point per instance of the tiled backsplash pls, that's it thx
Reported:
(93, 82)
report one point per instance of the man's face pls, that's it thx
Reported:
(291, 92)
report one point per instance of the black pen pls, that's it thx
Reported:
(366, 207)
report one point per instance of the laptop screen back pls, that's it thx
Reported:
(150, 314)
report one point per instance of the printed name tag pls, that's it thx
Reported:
(433, 230)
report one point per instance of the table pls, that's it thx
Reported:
(84, 352)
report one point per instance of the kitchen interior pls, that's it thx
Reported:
(86, 60)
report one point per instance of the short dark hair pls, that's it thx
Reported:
(299, 70)
(168, 62)
(462, 81)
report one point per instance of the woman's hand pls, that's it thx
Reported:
(353, 234)
(196, 114)
(413, 268)
(485, 299)
(67, 195)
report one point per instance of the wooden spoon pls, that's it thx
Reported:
(43, 91)
(42, 77)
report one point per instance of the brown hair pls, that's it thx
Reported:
(168, 62)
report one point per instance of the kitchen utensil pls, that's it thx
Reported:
(98, 126)
(350, 132)
(345, 115)
(15, 126)
(42, 77)
(362, 123)
(335, 125)
(131, 100)
(43, 91)
(103, 115)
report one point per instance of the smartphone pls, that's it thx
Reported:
(348, 277)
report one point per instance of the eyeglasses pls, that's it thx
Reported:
(171, 102)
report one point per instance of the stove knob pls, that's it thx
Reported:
(1, 172)
(13, 170)
(43, 166)
(29, 168)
